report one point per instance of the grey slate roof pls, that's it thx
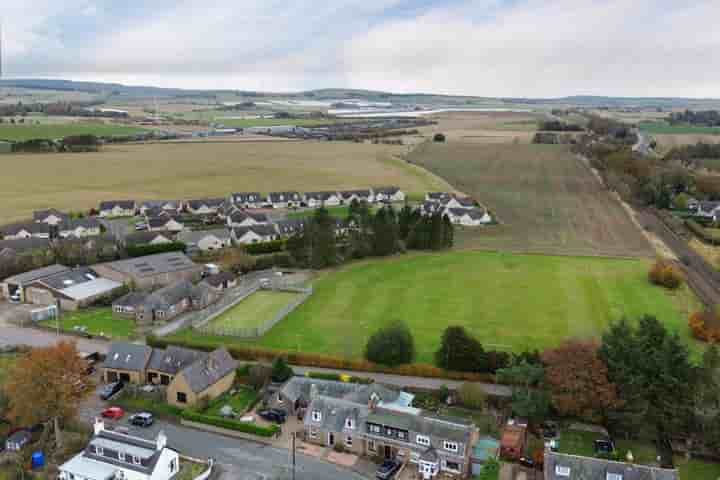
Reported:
(124, 204)
(451, 429)
(209, 202)
(334, 413)
(386, 190)
(145, 449)
(172, 294)
(139, 238)
(277, 197)
(173, 359)
(220, 278)
(346, 194)
(161, 221)
(298, 388)
(24, 244)
(73, 223)
(193, 237)
(41, 215)
(363, 394)
(132, 299)
(153, 264)
(127, 356)
(290, 226)
(207, 371)
(38, 274)
(160, 204)
(320, 195)
(438, 196)
(34, 228)
(247, 197)
(586, 468)
(262, 230)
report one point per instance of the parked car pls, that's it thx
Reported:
(142, 419)
(272, 415)
(388, 469)
(113, 413)
(15, 298)
(141, 226)
(110, 389)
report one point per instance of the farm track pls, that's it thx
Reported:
(702, 278)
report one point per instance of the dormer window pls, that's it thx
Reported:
(99, 451)
(136, 460)
(561, 471)
(350, 423)
(121, 456)
(316, 416)
(450, 446)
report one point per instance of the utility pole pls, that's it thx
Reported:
(293, 455)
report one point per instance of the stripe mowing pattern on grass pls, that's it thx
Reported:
(253, 312)
(509, 302)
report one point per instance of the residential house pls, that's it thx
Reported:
(206, 240)
(431, 208)
(439, 197)
(171, 207)
(459, 202)
(126, 362)
(692, 204)
(289, 227)
(388, 194)
(208, 377)
(79, 228)
(247, 199)
(71, 289)
(23, 246)
(205, 206)
(151, 270)
(468, 217)
(243, 218)
(165, 364)
(17, 284)
(148, 238)
(117, 208)
(17, 231)
(111, 455)
(165, 303)
(709, 210)
(221, 281)
(348, 196)
(558, 466)
(129, 305)
(284, 199)
(321, 199)
(165, 223)
(254, 234)
(50, 216)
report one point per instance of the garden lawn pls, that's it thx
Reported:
(98, 321)
(510, 302)
(340, 211)
(240, 402)
(254, 311)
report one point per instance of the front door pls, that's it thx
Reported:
(125, 377)
(388, 452)
(331, 439)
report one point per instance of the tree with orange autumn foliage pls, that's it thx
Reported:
(578, 381)
(47, 384)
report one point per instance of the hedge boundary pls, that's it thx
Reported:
(700, 231)
(325, 361)
(250, 428)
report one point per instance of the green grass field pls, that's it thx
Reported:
(271, 122)
(254, 311)
(240, 402)
(53, 131)
(664, 128)
(98, 321)
(510, 302)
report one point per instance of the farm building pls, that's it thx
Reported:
(72, 289)
(152, 270)
(18, 283)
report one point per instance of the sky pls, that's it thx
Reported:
(493, 48)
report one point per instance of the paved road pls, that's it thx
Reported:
(10, 335)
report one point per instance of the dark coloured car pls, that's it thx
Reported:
(142, 419)
(110, 389)
(280, 412)
(272, 415)
(387, 470)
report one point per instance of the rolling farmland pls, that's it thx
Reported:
(545, 200)
(22, 132)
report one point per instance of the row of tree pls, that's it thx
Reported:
(707, 118)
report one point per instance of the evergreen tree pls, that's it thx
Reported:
(393, 345)
(406, 220)
(448, 232)
(460, 351)
(436, 232)
(323, 246)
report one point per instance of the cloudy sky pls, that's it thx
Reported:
(520, 48)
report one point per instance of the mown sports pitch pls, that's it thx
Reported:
(254, 311)
(508, 301)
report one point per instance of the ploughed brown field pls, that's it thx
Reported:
(80, 181)
(545, 200)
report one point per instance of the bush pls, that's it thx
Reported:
(281, 371)
(439, 137)
(336, 377)
(490, 470)
(666, 274)
(705, 326)
(472, 395)
(702, 233)
(143, 250)
(265, 247)
(392, 346)
(250, 428)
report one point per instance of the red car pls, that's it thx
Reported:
(113, 413)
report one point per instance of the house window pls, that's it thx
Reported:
(99, 451)
(350, 423)
(450, 446)
(402, 435)
(613, 476)
(173, 465)
(121, 456)
(374, 428)
(561, 471)
(348, 441)
(136, 460)
(181, 397)
(316, 416)
(453, 467)
(422, 440)
(371, 446)
(313, 433)
(160, 313)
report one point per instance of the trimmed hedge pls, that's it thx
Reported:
(324, 361)
(250, 428)
(702, 233)
(143, 250)
(337, 377)
(265, 247)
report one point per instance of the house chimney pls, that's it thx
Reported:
(99, 426)
(161, 441)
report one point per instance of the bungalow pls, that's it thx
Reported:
(23, 246)
(206, 378)
(431, 208)
(284, 199)
(244, 218)
(113, 455)
(206, 240)
(459, 202)
(117, 208)
(148, 238)
(254, 234)
(18, 231)
(205, 206)
(169, 206)
(468, 217)
(320, 199)
(166, 223)
(166, 303)
(289, 227)
(558, 466)
(80, 228)
(439, 197)
(347, 196)
(50, 216)
(247, 199)
(221, 281)
(388, 194)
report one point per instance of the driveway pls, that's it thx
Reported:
(119, 227)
